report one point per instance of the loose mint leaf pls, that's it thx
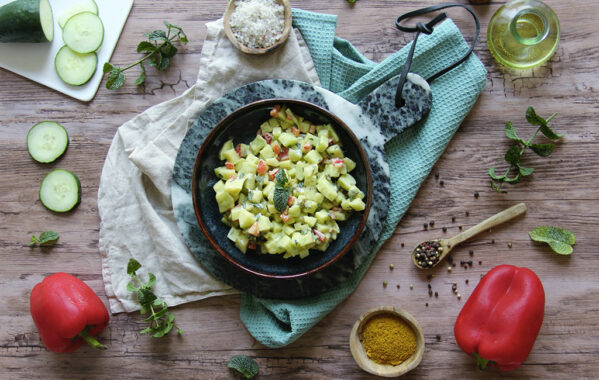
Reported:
(132, 266)
(282, 191)
(151, 281)
(244, 365)
(47, 238)
(156, 35)
(512, 156)
(115, 80)
(548, 132)
(533, 118)
(281, 178)
(108, 67)
(164, 63)
(542, 150)
(145, 46)
(559, 239)
(510, 132)
(514, 179)
(495, 176)
(525, 171)
(142, 76)
(145, 296)
(131, 287)
(168, 50)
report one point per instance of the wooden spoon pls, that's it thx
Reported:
(248, 50)
(383, 370)
(432, 252)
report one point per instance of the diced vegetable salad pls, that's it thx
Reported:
(285, 192)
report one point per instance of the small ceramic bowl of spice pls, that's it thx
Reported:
(257, 26)
(387, 341)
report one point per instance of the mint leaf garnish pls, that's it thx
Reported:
(244, 365)
(282, 191)
(514, 154)
(559, 239)
(46, 238)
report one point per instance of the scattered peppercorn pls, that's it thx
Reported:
(460, 227)
(471, 252)
(453, 219)
(493, 241)
(429, 277)
(459, 296)
(449, 269)
(441, 183)
(402, 245)
(467, 213)
(384, 284)
(425, 226)
(391, 266)
(444, 229)
(467, 281)
(426, 304)
(397, 286)
(480, 263)
(476, 194)
(436, 175)
(411, 286)
(509, 244)
(438, 337)
(431, 223)
(430, 293)
(437, 294)
(469, 262)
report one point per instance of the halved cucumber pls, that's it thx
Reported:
(83, 32)
(46, 141)
(74, 68)
(60, 190)
(81, 6)
(26, 21)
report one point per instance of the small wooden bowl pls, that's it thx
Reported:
(231, 36)
(368, 365)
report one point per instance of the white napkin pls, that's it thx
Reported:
(137, 219)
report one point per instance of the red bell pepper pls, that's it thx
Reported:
(502, 318)
(67, 312)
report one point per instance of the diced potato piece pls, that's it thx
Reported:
(246, 218)
(323, 143)
(245, 167)
(264, 223)
(335, 151)
(219, 186)
(242, 242)
(224, 173)
(310, 220)
(346, 181)
(357, 204)
(322, 216)
(234, 186)
(354, 192)
(255, 196)
(313, 157)
(287, 139)
(267, 152)
(272, 162)
(327, 188)
(276, 132)
(231, 155)
(225, 201)
(295, 155)
(295, 211)
(349, 163)
(257, 144)
(285, 164)
(226, 146)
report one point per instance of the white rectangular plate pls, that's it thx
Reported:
(36, 60)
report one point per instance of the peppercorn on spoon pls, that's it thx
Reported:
(428, 254)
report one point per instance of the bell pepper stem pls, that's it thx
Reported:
(481, 363)
(91, 340)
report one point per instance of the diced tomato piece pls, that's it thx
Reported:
(262, 168)
(319, 235)
(251, 245)
(307, 146)
(338, 209)
(337, 162)
(276, 148)
(229, 165)
(254, 229)
(272, 174)
(267, 136)
(295, 131)
(331, 142)
(238, 149)
(291, 200)
(284, 218)
(275, 110)
(284, 154)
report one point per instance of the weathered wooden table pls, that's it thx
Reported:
(562, 192)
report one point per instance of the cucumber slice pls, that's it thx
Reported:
(74, 68)
(60, 191)
(83, 32)
(81, 6)
(26, 21)
(46, 141)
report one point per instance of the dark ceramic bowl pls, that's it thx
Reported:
(242, 125)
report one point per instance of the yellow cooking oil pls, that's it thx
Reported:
(523, 34)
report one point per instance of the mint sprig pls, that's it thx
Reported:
(46, 238)
(514, 154)
(559, 239)
(244, 365)
(159, 49)
(160, 320)
(282, 191)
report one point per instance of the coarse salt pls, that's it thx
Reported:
(257, 23)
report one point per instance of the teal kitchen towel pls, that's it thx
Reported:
(411, 155)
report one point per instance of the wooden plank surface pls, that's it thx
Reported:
(562, 192)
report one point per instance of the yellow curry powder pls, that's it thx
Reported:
(388, 340)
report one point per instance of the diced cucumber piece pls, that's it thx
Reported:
(287, 139)
(79, 7)
(313, 157)
(83, 33)
(47, 141)
(74, 68)
(226, 147)
(257, 144)
(224, 200)
(60, 191)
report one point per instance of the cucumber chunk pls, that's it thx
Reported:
(26, 21)
(83, 32)
(74, 68)
(46, 141)
(81, 6)
(60, 191)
